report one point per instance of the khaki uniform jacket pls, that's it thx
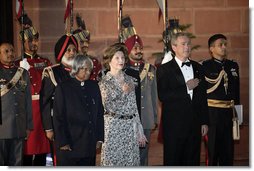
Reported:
(149, 98)
(16, 105)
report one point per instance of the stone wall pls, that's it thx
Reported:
(230, 17)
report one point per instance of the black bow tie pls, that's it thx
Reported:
(186, 63)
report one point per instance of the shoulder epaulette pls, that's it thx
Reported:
(7, 87)
(144, 72)
(48, 72)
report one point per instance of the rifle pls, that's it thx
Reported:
(166, 25)
(71, 16)
(120, 14)
(22, 31)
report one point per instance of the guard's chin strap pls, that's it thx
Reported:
(217, 82)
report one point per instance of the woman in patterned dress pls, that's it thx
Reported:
(123, 130)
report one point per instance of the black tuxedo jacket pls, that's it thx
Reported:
(181, 115)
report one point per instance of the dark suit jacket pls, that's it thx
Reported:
(181, 116)
(47, 93)
(78, 117)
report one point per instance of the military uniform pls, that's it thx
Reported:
(223, 88)
(148, 95)
(16, 113)
(82, 34)
(148, 101)
(37, 143)
(52, 76)
(96, 68)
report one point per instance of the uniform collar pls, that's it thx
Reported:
(219, 61)
(31, 55)
(7, 66)
(65, 68)
(136, 64)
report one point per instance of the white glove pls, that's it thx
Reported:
(24, 64)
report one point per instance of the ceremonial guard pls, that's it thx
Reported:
(222, 76)
(65, 50)
(147, 74)
(83, 37)
(37, 145)
(16, 105)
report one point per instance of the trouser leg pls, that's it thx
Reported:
(144, 150)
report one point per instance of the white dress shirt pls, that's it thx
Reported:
(187, 73)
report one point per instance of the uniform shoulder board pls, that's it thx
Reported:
(233, 60)
(47, 70)
(204, 61)
(55, 65)
(152, 66)
(45, 58)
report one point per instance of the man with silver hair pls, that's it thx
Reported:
(82, 63)
(78, 116)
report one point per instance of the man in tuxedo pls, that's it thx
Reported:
(182, 91)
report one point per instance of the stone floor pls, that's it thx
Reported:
(156, 154)
(156, 157)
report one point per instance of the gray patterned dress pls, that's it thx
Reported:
(122, 123)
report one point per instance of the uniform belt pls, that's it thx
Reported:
(125, 117)
(36, 97)
(220, 103)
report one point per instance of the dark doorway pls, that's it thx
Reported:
(6, 21)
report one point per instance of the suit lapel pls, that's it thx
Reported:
(195, 70)
(178, 73)
(196, 75)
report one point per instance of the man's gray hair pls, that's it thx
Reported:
(78, 62)
(179, 34)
